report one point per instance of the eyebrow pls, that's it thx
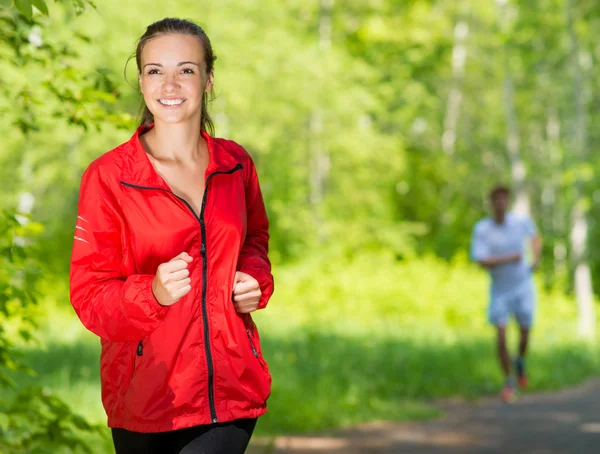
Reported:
(179, 64)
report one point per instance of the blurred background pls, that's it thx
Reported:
(378, 128)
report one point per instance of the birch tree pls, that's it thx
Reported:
(579, 221)
(513, 142)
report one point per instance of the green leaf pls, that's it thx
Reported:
(97, 94)
(25, 7)
(25, 334)
(78, 6)
(4, 422)
(81, 423)
(41, 6)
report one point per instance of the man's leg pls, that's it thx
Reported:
(524, 341)
(520, 361)
(508, 391)
(498, 316)
(524, 314)
(502, 349)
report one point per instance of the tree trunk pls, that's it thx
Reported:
(452, 115)
(553, 208)
(459, 58)
(319, 166)
(579, 223)
(513, 142)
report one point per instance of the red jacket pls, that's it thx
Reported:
(198, 361)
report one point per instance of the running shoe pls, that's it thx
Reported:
(508, 394)
(521, 374)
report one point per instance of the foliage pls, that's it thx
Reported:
(38, 422)
(33, 420)
(346, 125)
(55, 91)
(25, 7)
(18, 274)
(370, 108)
(376, 338)
(366, 338)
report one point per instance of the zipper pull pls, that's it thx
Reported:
(140, 349)
(254, 352)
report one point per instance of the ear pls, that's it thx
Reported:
(140, 81)
(210, 82)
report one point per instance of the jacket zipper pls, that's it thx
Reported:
(139, 351)
(200, 219)
(254, 351)
(211, 379)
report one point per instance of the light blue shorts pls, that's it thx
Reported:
(520, 303)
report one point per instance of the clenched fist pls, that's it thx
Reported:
(246, 293)
(172, 281)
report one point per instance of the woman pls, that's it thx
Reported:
(169, 260)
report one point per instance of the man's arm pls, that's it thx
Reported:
(480, 252)
(493, 261)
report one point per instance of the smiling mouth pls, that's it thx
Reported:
(171, 102)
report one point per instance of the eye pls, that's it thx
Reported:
(188, 71)
(153, 71)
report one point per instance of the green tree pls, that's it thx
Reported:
(40, 84)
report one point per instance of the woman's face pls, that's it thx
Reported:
(173, 78)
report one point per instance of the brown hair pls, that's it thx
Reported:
(184, 27)
(499, 189)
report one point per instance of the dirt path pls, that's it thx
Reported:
(565, 422)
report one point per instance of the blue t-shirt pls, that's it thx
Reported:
(492, 239)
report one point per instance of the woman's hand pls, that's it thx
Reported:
(246, 293)
(172, 281)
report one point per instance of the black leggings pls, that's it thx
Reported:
(222, 438)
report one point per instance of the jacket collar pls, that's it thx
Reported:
(141, 171)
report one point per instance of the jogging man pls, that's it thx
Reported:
(500, 244)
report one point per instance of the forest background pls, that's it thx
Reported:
(378, 128)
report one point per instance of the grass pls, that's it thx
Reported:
(372, 339)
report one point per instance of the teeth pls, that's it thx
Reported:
(170, 102)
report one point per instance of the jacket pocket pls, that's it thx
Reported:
(137, 357)
(254, 350)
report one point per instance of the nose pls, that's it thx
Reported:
(171, 83)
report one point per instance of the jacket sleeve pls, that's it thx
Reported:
(115, 306)
(253, 259)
